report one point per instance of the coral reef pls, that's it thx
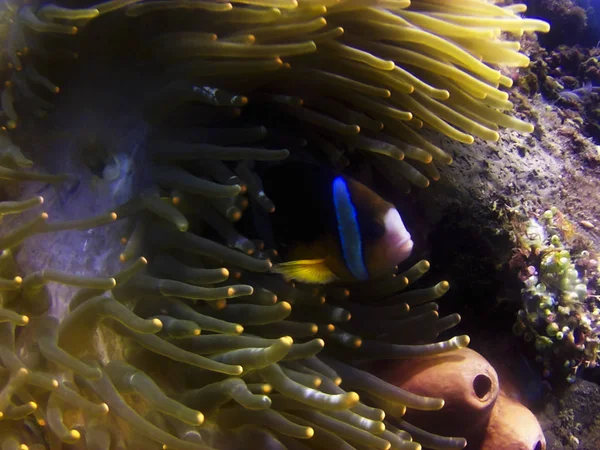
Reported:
(561, 314)
(569, 78)
(571, 422)
(171, 350)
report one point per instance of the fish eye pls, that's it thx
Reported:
(374, 230)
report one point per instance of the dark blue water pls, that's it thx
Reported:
(576, 25)
(590, 36)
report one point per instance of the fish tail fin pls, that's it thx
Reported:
(311, 271)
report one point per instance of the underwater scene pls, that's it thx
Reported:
(300, 224)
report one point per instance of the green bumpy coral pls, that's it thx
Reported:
(561, 314)
(181, 338)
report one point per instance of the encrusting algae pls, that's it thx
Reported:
(560, 317)
(177, 336)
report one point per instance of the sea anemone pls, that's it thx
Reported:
(135, 313)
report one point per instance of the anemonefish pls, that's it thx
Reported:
(330, 227)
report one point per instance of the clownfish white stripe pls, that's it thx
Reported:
(348, 230)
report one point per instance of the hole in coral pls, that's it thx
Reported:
(539, 446)
(95, 154)
(482, 385)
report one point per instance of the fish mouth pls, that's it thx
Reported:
(404, 243)
(402, 248)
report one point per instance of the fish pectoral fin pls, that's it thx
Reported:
(312, 271)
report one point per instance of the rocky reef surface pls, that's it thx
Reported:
(486, 195)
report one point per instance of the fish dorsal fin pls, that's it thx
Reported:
(311, 271)
(349, 231)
